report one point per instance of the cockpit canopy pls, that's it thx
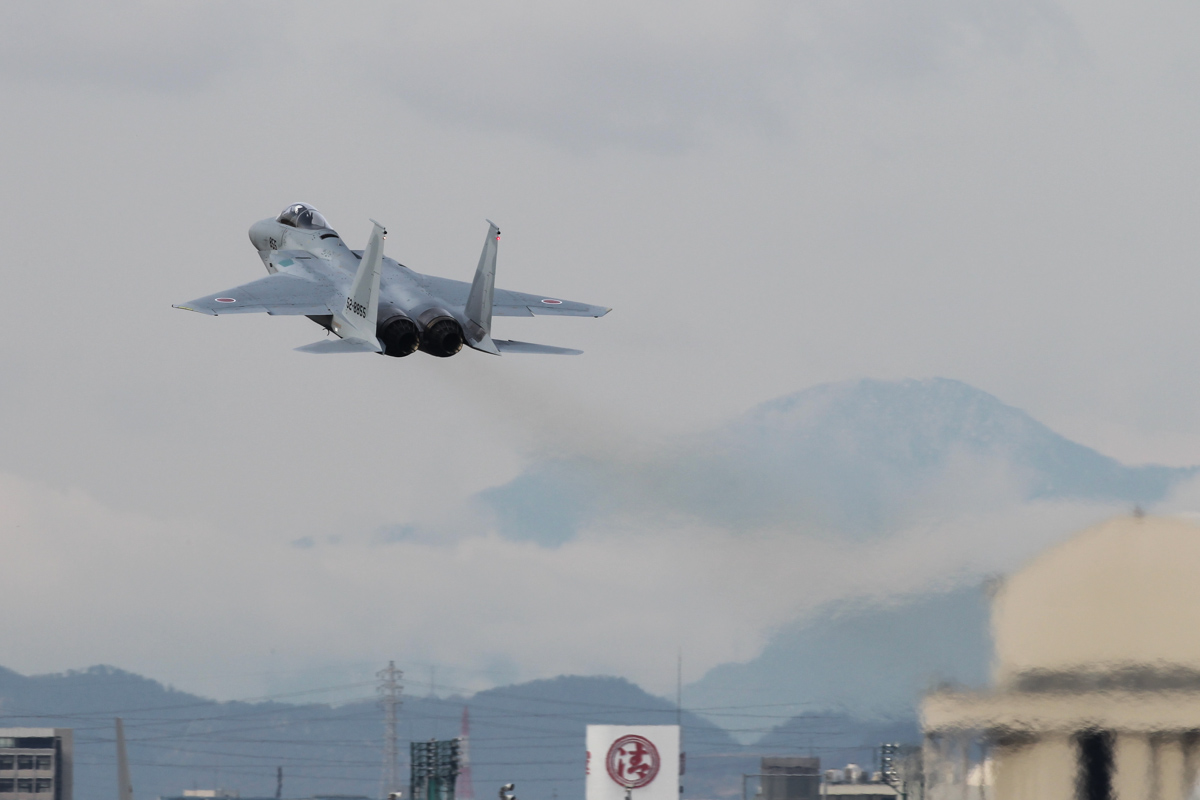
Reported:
(303, 216)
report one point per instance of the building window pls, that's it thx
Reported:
(25, 785)
(7, 785)
(7, 762)
(43, 762)
(1094, 780)
(24, 762)
(42, 785)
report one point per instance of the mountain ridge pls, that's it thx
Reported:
(531, 733)
(860, 458)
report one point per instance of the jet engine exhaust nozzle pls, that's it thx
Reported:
(443, 336)
(399, 336)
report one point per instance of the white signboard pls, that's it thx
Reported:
(644, 757)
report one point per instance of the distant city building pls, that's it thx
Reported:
(434, 769)
(210, 794)
(852, 781)
(1097, 679)
(791, 778)
(860, 791)
(36, 764)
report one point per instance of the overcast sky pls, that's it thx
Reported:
(770, 195)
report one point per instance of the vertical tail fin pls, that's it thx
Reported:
(358, 319)
(479, 302)
(124, 787)
(365, 290)
(483, 289)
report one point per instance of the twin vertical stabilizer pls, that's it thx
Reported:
(483, 290)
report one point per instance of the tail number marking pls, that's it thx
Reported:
(356, 307)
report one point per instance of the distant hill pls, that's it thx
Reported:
(858, 458)
(531, 733)
(863, 661)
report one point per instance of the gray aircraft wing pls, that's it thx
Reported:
(518, 304)
(513, 346)
(281, 293)
(510, 304)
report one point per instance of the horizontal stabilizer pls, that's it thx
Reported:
(509, 346)
(341, 346)
(484, 344)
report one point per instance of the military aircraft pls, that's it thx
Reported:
(374, 304)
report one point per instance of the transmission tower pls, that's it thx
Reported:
(389, 698)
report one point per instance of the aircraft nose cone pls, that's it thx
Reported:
(261, 235)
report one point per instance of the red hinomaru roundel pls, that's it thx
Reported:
(633, 761)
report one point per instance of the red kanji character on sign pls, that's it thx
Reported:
(633, 761)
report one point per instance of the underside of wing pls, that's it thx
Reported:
(511, 346)
(281, 293)
(341, 346)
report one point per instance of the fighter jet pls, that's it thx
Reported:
(374, 304)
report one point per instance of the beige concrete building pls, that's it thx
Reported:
(1096, 690)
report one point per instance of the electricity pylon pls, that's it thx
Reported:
(389, 698)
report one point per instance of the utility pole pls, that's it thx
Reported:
(679, 717)
(389, 698)
(124, 785)
(679, 692)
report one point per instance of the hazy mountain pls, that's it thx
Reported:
(859, 458)
(854, 460)
(532, 734)
(862, 660)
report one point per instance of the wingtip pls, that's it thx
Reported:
(197, 310)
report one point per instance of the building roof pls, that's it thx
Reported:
(28, 733)
(1119, 602)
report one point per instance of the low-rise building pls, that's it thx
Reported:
(791, 778)
(860, 791)
(36, 763)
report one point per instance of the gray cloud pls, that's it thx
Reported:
(675, 74)
(1000, 193)
(160, 595)
(145, 44)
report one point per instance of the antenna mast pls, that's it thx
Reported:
(389, 698)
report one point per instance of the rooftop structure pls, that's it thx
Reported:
(1096, 687)
(791, 778)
